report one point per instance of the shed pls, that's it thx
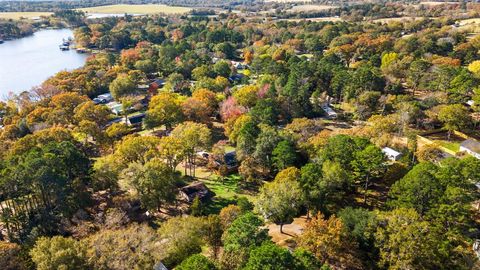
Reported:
(472, 147)
(196, 189)
(391, 153)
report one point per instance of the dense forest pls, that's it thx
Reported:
(236, 141)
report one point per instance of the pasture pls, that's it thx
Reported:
(310, 8)
(136, 9)
(22, 15)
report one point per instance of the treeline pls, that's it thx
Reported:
(263, 89)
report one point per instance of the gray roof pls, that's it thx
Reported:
(471, 145)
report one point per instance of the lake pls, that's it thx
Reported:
(28, 61)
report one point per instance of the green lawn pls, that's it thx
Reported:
(22, 15)
(136, 9)
(227, 192)
(454, 146)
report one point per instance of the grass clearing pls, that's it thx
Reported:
(136, 9)
(23, 15)
(288, 1)
(226, 192)
(398, 19)
(319, 19)
(308, 8)
(453, 146)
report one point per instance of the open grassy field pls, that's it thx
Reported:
(320, 19)
(289, 1)
(136, 9)
(437, 3)
(398, 19)
(307, 8)
(469, 25)
(22, 15)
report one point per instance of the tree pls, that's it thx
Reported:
(171, 150)
(228, 214)
(122, 86)
(212, 232)
(196, 262)
(369, 163)
(222, 68)
(305, 260)
(10, 257)
(246, 96)
(136, 149)
(116, 131)
(119, 249)
(416, 73)
(182, 237)
(280, 200)
(196, 110)
(323, 185)
(284, 155)
(164, 109)
(266, 142)
(194, 137)
(454, 117)
(326, 239)
(474, 67)
(360, 224)
(207, 97)
(58, 253)
(91, 112)
(407, 242)
(419, 189)
(197, 208)
(63, 107)
(153, 182)
(270, 257)
(243, 235)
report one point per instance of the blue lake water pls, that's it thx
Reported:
(28, 61)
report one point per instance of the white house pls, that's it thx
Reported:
(472, 147)
(391, 153)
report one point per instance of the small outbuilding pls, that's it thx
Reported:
(391, 154)
(196, 189)
(472, 147)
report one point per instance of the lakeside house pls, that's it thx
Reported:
(391, 154)
(471, 147)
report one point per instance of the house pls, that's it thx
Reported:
(153, 87)
(196, 189)
(472, 147)
(391, 154)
